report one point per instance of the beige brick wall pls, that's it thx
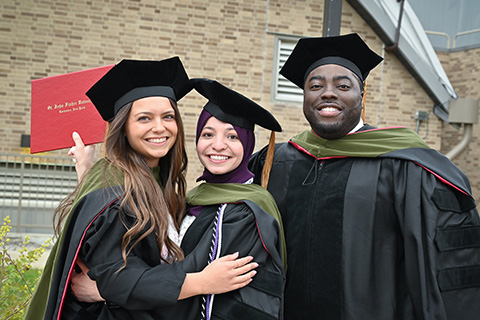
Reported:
(463, 70)
(232, 42)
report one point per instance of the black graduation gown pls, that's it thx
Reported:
(94, 234)
(392, 237)
(250, 231)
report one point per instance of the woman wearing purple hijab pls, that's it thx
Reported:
(227, 213)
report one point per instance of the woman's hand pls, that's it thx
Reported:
(82, 155)
(222, 275)
(84, 288)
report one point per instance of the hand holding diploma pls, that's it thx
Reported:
(82, 155)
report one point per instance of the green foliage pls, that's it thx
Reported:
(18, 278)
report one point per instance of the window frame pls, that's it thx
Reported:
(282, 89)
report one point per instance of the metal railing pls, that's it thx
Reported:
(443, 34)
(447, 37)
(31, 187)
(464, 33)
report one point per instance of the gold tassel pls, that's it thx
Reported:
(364, 100)
(267, 167)
(104, 146)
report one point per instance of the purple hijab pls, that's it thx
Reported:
(240, 174)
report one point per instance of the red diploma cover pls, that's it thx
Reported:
(60, 107)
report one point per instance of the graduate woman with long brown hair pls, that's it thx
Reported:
(122, 220)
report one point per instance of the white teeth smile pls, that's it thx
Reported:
(157, 140)
(218, 157)
(329, 109)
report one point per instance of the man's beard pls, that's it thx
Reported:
(329, 130)
(337, 129)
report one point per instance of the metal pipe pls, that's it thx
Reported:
(462, 145)
(443, 34)
(462, 34)
(397, 32)
(332, 18)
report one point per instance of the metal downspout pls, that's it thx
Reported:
(462, 145)
(462, 111)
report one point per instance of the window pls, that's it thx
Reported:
(31, 187)
(283, 89)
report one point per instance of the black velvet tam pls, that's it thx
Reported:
(232, 107)
(131, 80)
(349, 51)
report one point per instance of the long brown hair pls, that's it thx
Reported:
(143, 196)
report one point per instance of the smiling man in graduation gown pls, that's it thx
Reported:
(377, 225)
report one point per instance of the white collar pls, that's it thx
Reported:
(358, 126)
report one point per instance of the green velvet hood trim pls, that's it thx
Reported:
(102, 174)
(207, 194)
(367, 144)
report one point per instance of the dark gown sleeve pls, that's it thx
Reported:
(136, 286)
(262, 299)
(430, 256)
(441, 229)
